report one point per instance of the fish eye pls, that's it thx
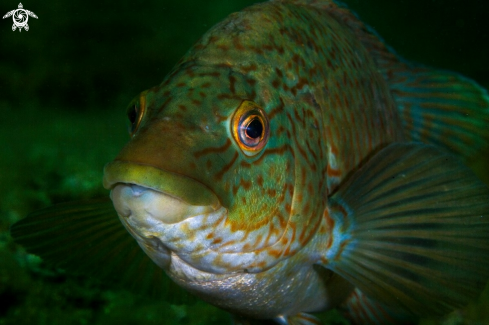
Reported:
(132, 114)
(135, 112)
(250, 128)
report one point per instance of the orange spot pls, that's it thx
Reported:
(271, 193)
(342, 247)
(331, 172)
(284, 240)
(290, 188)
(270, 232)
(302, 235)
(310, 189)
(217, 241)
(237, 44)
(282, 221)
(229, 243)
(261, 264)
(259, 180)
(246, 184)
(275, 253)
(330, 242)
(287, 251)
(251, 67)
(258, 240)
(334, 149)
(329, 221)
(223, 47)
(288, 208)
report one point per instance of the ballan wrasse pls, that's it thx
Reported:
(292, 163)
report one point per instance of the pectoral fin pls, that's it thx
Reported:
(360, 310)
(411, 230)
(88, 238)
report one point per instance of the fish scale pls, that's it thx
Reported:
(279, 169)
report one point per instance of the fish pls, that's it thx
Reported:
(290, 163)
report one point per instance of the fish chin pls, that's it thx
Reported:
(181, 271)
(148, 215)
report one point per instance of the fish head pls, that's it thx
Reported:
(207, 179)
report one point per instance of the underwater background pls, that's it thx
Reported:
(64, 87)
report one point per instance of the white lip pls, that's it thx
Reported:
(132, 200)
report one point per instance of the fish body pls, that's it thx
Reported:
(274, 203)
(279, 169)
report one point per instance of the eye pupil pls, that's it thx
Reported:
(132, 114)
(254, 129)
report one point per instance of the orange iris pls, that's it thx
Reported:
(250, 128)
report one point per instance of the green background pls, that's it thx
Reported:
(64, 86)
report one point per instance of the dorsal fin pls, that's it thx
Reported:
(436, 106)
(321, 4)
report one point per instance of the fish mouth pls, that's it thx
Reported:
(174, 185)
(156, 207)
(155, 220)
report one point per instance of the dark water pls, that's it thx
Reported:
(64, 86)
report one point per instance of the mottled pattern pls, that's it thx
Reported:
(329, 109)
(327, 105)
